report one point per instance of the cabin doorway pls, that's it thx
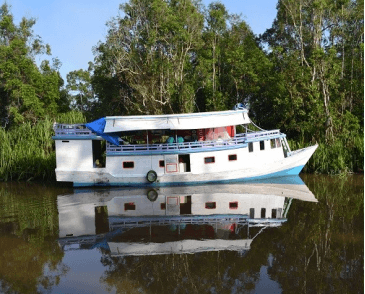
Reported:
(99, 150)
(184, 163)
(185, 204)
(101, 220)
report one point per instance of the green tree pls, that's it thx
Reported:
(149, 52)
(26, 91)
(216, 25)
(314, 53)
(245, 66)
(231, 65)
(80, 89)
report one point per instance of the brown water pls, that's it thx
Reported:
(211, 239)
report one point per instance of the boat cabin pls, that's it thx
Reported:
(142, 149)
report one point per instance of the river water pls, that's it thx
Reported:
(292, 235)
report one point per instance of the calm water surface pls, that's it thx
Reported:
(286, 236)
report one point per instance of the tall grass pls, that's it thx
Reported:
(27, 150)
(337, 157)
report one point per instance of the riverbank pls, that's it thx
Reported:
(27, 152)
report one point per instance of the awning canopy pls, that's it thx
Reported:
(201, 120)
(98, 126)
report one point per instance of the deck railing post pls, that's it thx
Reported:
(287, 145)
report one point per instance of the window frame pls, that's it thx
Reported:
(213, 203)
(250, 147)
(132, 206)
(209, 157)
(234, 206)
(230, 155)
(278, 142)
(262, 145)
(128, 167)
(273, 143)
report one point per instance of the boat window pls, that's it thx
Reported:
(272, 143)
(210, 205)
(252, 212)
(65, 141)
(233, 205)
(273, 213)
(263, 212)
(129, 206)
(128, 164)
(250, 147)
(161, 163)
(209, 159)
(262, 145)
(278, 143)
(232, 157)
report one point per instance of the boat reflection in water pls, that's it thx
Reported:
(177, 220)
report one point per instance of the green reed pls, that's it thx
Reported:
(27, 150)
(337, 157)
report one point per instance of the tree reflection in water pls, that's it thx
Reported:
(319, 250)
(30, 256)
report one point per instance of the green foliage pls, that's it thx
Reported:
(175, 56)
(27, 150)
(79, 83)
(147, 57)
(178, 56)
(26, 91)
(315, 49)
(337, 157)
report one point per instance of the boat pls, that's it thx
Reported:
(174, 149)
(181, 219)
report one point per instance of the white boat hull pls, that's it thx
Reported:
(288, 166)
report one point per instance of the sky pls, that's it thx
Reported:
(73, 27)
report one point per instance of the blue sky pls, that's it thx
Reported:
(73, 27)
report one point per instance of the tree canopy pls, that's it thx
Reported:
(27, 92)
(317, 52)
(172, 56)
(304, 75)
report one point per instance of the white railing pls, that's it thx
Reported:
(179, 219)
(256, 136)
(239, 139)
(166, 147)
(71, 130)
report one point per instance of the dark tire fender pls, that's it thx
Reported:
(151, 176)
(152, 195)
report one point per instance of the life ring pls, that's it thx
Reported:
(151, 176)
(152, 195)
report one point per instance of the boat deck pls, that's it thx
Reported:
(79, 131)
